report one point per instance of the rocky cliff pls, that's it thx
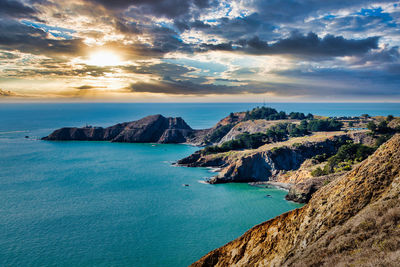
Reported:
(263, 163)
(352, 221)
(154, 129)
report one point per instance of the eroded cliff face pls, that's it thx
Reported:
(267, 161)
(352, 221)
(155, 128)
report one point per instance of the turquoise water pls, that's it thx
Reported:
(110, 204)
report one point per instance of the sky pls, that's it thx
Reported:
(200, 50)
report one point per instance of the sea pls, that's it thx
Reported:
(116, 204)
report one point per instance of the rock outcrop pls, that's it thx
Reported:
(151, 129)
(302, 192)
(252, 126)
(262, 165)
(352, 221)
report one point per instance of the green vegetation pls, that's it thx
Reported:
(276, 133)
(346, 156)
(242, 141)
(324, 125)
(382, 139)
(267, 113)
(219, 133)
(382, 127)
(365, 116)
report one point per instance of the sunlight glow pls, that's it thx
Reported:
(104, 58)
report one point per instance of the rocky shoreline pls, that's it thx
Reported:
(278, 163)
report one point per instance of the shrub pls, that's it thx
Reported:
(318, 172)
(264, 113)
(371, 126)
(324, 125)
(297, 116)
(348, 153)
(219, 133)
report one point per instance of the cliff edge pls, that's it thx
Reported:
(353, 220)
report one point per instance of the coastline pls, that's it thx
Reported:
(278, 185)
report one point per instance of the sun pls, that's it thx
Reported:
(104, 58)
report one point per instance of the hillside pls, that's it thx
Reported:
(352, 221)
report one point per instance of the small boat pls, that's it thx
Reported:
(268, 196)
(26, 136)
(185, 185)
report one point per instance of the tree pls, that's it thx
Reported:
(371, 126)
(389, 117)
(383, 127)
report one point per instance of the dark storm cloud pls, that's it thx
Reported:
(168, 8)
(386, 55)
(301, 45)
(231, 28)
(272, 19)
(17, 9)
(161, 40)
(17, 36)
(127, 27)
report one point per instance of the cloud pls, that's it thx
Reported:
(86, 87)
(161, 69)
(18, 36)
(301, 45)
(167, 8)
(289, 11)
(385, 55)
(7, 55)
(205, 47)
(5, 93)
(17, 9)
(194, 86)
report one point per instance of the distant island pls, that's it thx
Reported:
(337, 165)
